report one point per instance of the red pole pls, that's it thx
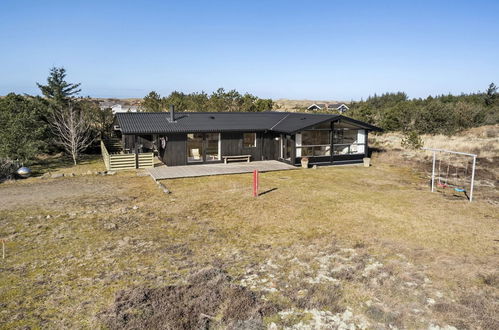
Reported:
(255, 183)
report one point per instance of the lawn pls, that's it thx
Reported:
(323, 247)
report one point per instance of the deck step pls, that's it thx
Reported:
(113, 145)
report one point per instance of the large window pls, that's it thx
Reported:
(313, 143)
(203, 147)
(316, 142)
(348, 141)
(249, 140)
(195, 148)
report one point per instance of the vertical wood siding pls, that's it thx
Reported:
(175, 152)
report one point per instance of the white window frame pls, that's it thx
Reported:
(299, 144)
(359, 143)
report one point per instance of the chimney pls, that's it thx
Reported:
(172, 113)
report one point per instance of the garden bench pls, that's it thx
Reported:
(239, 157)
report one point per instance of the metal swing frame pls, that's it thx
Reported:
(434, 152)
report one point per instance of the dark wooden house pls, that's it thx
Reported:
(185, 138)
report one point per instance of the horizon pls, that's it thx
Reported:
(281, 50)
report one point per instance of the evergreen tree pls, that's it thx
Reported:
(152, 102)
(58, 90)
(491, 94)
(21, 130)
(178, 99)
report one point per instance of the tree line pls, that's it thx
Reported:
(220, 101)
(444, 114)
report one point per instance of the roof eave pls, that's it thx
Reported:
(361, 123)
(333, 117)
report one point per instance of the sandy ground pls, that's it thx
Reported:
(336, 247)
(50, 193)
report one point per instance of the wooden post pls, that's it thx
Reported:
(255, 183)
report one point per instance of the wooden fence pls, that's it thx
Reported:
(116, 162)
(145, 160)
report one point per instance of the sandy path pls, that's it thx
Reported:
(42, 193)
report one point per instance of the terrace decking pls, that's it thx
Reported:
(187, 171)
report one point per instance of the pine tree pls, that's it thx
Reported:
(58, 90)
(491, 94)
(153, 102)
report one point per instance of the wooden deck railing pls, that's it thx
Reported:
(117, 162)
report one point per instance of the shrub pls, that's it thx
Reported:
(22, 128)
(412, 140)
(7, 169)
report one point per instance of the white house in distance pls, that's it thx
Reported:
(340, 107)
(118, 107)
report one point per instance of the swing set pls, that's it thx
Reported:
(450, 178)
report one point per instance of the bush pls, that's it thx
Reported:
(8, 169)
(22, 128)
(412, 140)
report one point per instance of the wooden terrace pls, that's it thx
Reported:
(187, 171)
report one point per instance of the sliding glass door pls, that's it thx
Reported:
(212, 147)
(195, 148)
(286, 146)
(203, 147)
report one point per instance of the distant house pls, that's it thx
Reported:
(316, 106)
(118, 107)
(340, 107)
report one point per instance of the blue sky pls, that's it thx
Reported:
(339, 50)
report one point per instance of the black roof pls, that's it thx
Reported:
(336, 105)
(190, 122)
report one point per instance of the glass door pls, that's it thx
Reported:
(195, 148)
(212, 146)
(286, 145)
(289, 146)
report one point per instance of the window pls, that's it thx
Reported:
(195, 148)
(286, 146)
(313, 143)
(326, 126)
(348, 141)
(314, 138)
(212, 146)
(203, 147)
(249, 140)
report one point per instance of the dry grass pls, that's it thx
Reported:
(324, 243)
(60, 163)
(482, 141)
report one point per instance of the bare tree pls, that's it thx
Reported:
(72, 128)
